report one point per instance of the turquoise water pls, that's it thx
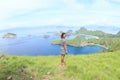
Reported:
(36, 45)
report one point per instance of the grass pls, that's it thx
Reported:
(99, 66)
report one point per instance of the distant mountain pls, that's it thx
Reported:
(118, 33)
(107, 29)
(83, 30)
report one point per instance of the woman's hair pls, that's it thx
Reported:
(62, 35)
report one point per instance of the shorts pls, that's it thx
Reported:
(63, 52)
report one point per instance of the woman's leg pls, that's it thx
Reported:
(62, 60)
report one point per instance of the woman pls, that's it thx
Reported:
(63, 48)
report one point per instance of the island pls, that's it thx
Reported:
(109, 41)
(46, 36)
(29, 35)
(10, 35)
(68, 33)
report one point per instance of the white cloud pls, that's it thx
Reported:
(10, 6)
(73, 4)
(15, 13)
(101, 4)
(118, 1)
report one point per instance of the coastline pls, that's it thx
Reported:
(82, 45)
(102, 46)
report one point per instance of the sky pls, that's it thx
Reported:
(30, 13)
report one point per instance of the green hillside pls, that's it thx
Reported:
(99, 66)
(110, 41)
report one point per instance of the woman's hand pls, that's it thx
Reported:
(66, 52)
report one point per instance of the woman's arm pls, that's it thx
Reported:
(65, 48)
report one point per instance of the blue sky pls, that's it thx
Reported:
(20, 13)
